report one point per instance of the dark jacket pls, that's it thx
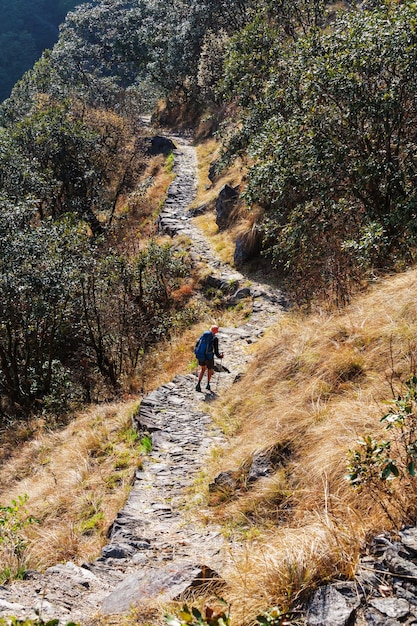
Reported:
(216, 347)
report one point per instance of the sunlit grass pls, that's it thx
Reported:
(76, 480)
(223, 242)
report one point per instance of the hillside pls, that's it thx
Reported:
(163, 167)
(316, 383)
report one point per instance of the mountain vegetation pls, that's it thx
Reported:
(316, 103)
(312, 106)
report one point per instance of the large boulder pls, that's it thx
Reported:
(333, 605)
(160, 145)
(225, 203)
(212, 171)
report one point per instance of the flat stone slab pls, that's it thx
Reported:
(330, 607)
(158, 584)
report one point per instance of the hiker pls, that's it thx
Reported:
(205, 349)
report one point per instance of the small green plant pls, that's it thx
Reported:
(93, 524)
(145, 444)
(193, 365)
(91, 514)
(193, 616)
(169, 163)
(13, 519)
(276, 617)
(129, 435)
(386, 470)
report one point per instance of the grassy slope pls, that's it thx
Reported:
(317, 384)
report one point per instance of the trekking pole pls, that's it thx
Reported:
(218, 377)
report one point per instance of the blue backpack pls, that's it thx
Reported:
(204, 346)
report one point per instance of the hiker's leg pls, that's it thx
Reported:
(203, 369)
(210, 370)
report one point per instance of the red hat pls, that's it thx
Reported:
(214, 329)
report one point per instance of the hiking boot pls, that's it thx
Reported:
(208, 386)
(198, 387)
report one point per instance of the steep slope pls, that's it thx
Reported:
(313, 385)
(322, 382)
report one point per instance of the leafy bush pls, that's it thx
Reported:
(386, 470)
(72, 314)
(13, 519)
(193, 617)
(40, 271)
(276, 617)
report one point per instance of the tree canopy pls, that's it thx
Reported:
(331, 135)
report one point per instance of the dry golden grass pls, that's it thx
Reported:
(207, 152)
(223, 242)
(317, 384)
(278, 570)
(76, 480)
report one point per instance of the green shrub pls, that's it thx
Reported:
(13, 519)
(146, 444)
(386, 470)
(193, 617)
(276, 617)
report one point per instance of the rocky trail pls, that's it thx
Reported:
(156, 550)
(176, 219)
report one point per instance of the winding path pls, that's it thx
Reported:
(156, 550)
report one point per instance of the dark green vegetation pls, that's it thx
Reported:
(13, 519)
(329, 121)
(27, 28)
(318, 103)
(81, 301)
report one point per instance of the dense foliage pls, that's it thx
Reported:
(77, 315)
(319, 103)
(329, 122)
(73, 313)
(27, 27)
(119, 44)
